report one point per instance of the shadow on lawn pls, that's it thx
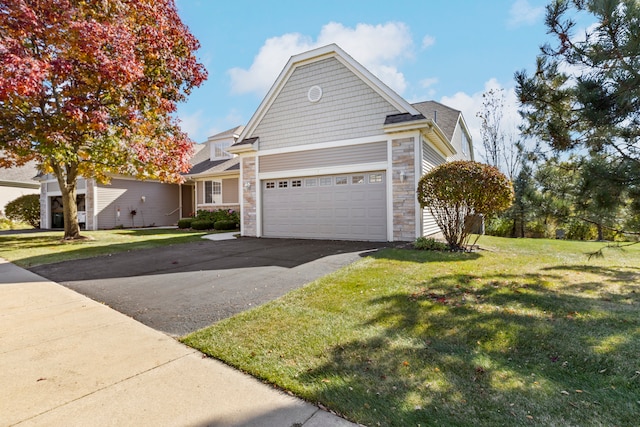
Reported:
(93, 247)
(495, 349)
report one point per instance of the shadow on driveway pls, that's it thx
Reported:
(182, 288)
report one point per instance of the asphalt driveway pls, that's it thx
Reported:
(182, 288)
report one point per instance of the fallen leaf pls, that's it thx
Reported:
(324, 380)
(564, 392)
(530, 417)
(578, 391)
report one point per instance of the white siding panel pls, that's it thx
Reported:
(349, 108)
(430, 159)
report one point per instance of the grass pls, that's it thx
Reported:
(524, 332)
(31, 249)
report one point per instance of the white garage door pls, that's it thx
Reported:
(343, 207)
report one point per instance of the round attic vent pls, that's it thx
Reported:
(314, 94)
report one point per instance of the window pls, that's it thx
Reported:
(341, 180)
(271, 184)
(212, 192)
(296, 183)
(325, 181)
(375, 178)
(283, 184)
(310, 182)
(219, 150)
(357, 179)
(465, 144)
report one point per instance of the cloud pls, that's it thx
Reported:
(428, 41)
(523, 14)
(192, 123)
(471, 105)
(379, 48)
(428, 82)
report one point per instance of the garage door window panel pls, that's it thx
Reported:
(375, 178)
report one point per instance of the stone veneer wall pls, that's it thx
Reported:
(249, 197)
(404, 193)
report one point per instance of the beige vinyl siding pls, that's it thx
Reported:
(53, 186)
(349, 108)
(430, 159)
(335, 156)
(160, 206)
(230, 192)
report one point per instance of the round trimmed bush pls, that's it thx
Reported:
(185, 223)
(225, 224)
(202, 224)
(25, 209)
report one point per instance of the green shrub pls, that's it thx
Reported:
(430, 244)
(202, 224)
(499, 227)
(225, 224)
(580, 230)
(185, 222)
(7, 224)
(25, 209)
(219, 215)
(535, 229)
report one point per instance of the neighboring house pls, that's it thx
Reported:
(102, 206)
(333, 153)
(212, 183)
(16, 182)
(215, 174)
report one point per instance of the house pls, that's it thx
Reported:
(330, 153)
(334, 153)
(16, 182)
(123, 202)
(215, 174)
(211, 183)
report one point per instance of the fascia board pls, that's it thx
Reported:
(440, 141)
(212, 175)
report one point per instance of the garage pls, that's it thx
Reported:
(341, 207)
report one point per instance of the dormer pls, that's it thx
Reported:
(220, 143)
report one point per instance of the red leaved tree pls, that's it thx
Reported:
(90, 88)
(454, 192)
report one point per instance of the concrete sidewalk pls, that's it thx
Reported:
(68, 360)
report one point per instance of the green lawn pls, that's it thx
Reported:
(522, 332)
(31, 249)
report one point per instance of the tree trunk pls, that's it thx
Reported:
(600, 232)
(67, 177)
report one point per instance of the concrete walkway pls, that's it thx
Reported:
(68, 360)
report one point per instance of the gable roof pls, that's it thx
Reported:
(329, 51)
(445, 117)
(20, 175)
(201, 160)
